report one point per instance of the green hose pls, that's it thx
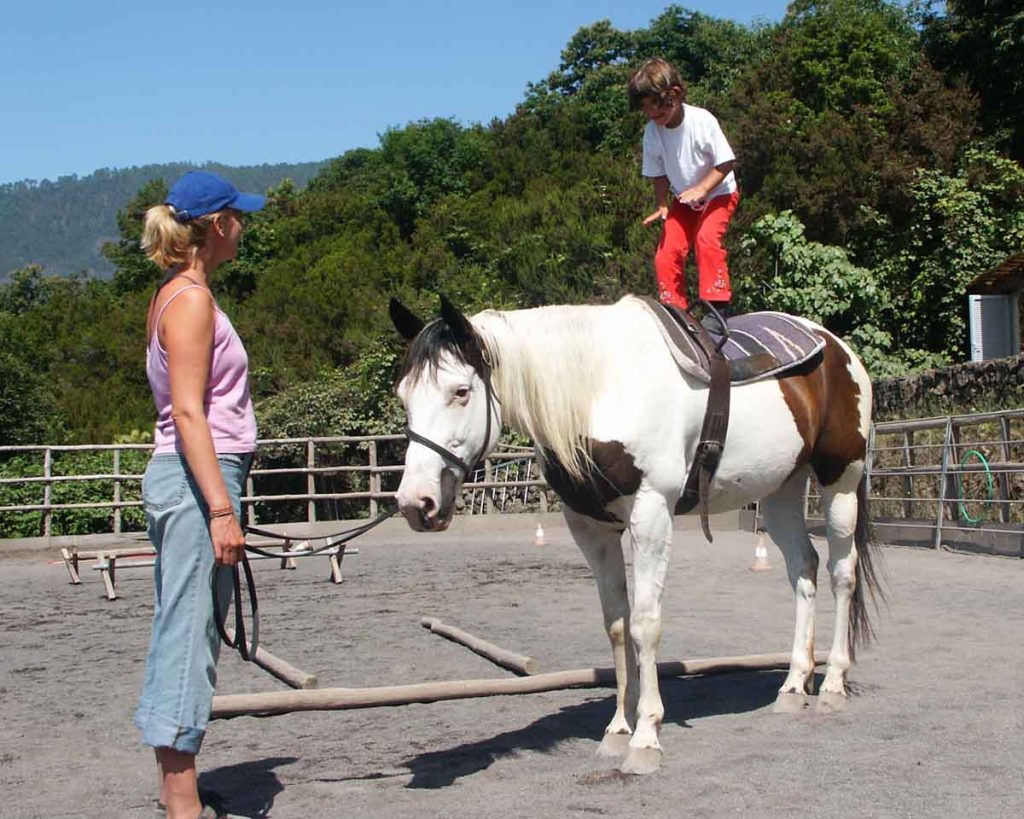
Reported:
(960, 486)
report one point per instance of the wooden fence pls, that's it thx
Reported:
(293, 479)
(953, 480)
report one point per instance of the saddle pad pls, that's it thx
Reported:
(760, 345)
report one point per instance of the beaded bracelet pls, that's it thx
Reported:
(223, 512)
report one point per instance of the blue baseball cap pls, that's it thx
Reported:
(198, 193)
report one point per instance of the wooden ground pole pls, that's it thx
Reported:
(285, 672)
(337, 699)
(502, 657)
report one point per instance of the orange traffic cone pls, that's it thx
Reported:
(760, 563)
(538, 536)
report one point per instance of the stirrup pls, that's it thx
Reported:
(714, 319)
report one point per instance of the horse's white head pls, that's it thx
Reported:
(453, 419)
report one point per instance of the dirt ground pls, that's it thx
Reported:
(934, 728)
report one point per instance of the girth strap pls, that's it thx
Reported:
(708, 454)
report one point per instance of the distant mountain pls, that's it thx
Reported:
(62, 225)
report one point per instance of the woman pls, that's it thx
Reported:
(205, 436)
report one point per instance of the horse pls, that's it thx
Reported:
(616, 422)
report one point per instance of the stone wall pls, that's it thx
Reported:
(977, 386)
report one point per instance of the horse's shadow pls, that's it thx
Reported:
(247, 789)
(684, 699)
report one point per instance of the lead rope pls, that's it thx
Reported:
(247, 648)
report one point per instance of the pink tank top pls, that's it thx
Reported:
(227, 401)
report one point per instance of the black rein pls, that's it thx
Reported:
(247, 648)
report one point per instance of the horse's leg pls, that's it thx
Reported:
(784, 520)
(602, 546)
(840, 504)
(650, 527)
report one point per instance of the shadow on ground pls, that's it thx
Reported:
(684, 699)
(246, 789)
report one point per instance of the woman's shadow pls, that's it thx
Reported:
(246, 789)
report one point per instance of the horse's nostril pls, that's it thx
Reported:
(427, 506)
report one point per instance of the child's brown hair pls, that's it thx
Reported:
(654, 80)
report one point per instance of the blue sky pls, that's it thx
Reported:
(115, 84)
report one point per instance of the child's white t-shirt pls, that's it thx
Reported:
(687, 153)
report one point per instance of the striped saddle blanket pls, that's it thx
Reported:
(759, 345)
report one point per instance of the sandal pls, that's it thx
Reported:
(208, 812)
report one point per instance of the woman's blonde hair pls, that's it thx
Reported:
(170, 243)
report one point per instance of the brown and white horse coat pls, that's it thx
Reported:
(617, 424)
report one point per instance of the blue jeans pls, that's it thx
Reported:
(181, 666)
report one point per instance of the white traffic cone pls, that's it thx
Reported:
(760, 563)
(538, 536)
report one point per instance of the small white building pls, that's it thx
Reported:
(993, 302)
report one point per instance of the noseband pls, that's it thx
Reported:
(482, 369)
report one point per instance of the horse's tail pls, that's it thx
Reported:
(868, 574)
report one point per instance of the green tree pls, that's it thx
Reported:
(134, 272)
(710, 53)
(85, 346)
(821, 283)
(28, 413)
(596, 64)
(871, 192)
(238, 279)
(28, 407)
(424, 161)
(834, 119)
(984, 41)
(25, 290)
(960, 226)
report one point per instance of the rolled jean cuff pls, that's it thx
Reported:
(162, 732)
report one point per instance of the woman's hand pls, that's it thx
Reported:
(228, 540)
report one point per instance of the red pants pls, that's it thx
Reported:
(703, 231)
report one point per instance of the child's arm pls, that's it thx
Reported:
(661, 189)
(700, 191)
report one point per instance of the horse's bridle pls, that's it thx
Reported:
(482, 369)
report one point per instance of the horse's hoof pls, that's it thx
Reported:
(613, 745)
(789, 703)
(641, 761)
(830, 702)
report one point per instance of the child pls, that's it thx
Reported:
(685, 153)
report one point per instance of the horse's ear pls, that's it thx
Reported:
(453, 317)
(407, 324)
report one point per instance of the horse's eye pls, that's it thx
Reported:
(462, 393)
